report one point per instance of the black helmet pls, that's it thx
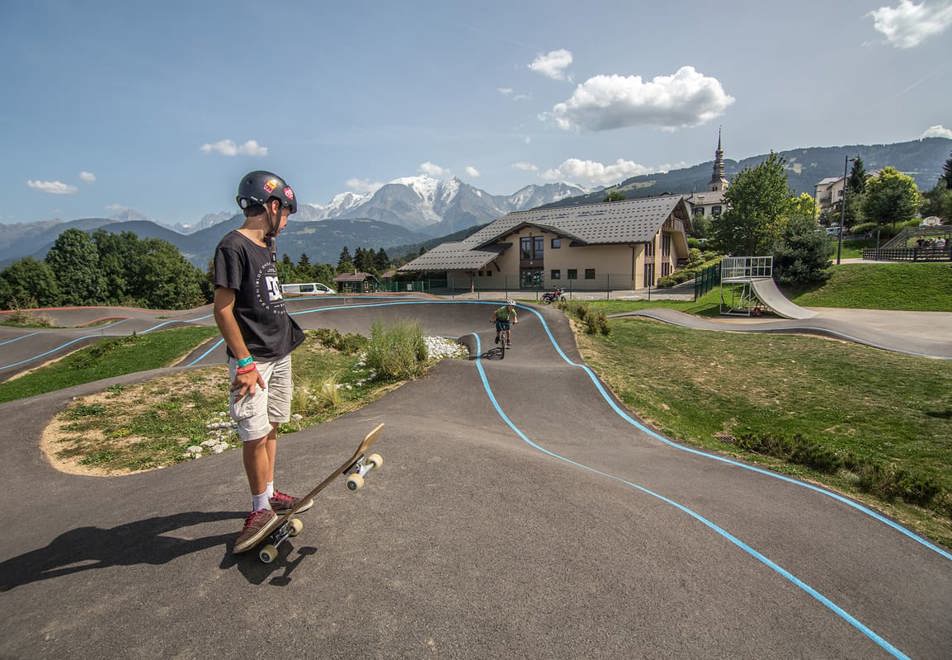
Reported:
(259, 186)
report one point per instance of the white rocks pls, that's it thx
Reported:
(297, 417)
(440, 348)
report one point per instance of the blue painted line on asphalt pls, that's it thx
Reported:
(10, 341)
(787, 575)
(657, 436)
(205, 354)
(52, 350)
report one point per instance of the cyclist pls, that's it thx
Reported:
(502, 318)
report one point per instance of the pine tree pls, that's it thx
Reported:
(946, 177)
(344, 258)
(381, 260)
(857, 179)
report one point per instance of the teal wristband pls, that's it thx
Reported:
(244, 362)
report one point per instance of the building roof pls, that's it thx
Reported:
(829, 180)
(629, 221)
(706, 197)
(454, 256)
(353, 277)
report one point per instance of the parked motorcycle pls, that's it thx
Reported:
(553, 296)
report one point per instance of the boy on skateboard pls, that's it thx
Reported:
(502, 317)
(252, 317)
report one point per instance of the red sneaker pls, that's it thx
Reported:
(283, 503)
(257, 526)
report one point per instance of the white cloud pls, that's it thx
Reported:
(505, 91)
(510, 93)
(472, 171)
(52, 187)
(229, 148)
(552, 64)
(687, 98)
(938, 131)
(363, 186)
(431, 169)
(593, 172)
(524, 166)
(908, 24)
(521, 97)
(88, 177)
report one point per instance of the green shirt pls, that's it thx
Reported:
(503, 313)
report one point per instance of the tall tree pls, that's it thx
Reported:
(803, 253)
(857, 178)
(946, 177)
(165, 279)
(757, 207)
(381, 260)
(615, 196)
(344, 258)
(75, 261)
(891, 197)
(29, 282)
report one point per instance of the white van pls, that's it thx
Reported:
(308, 289)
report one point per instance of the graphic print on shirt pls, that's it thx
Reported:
(268, 289)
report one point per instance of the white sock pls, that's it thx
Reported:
(270, 489)
(259, 502)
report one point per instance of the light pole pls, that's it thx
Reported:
(839, 246)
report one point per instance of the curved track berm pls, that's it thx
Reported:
(520, 513)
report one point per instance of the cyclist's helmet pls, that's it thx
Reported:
(259, 186)
(510, 302)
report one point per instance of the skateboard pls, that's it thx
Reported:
(356, 468)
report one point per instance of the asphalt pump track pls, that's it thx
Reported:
(520, 511)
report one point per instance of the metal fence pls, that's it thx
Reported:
(603, 284)
(706, 280)
(909, 254)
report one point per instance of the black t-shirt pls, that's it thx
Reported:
(243, 265)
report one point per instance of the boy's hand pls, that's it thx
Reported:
(245, 383)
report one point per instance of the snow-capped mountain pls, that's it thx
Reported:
(208, 220)
(437, 207)
(336, 208)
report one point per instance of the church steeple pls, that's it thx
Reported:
(718, 181)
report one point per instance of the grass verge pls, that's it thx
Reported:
(925, 287)
(185, 415)
(108, 358)
(874, 425)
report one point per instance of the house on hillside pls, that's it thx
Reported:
(614, 245)
(828, 192)
(356, 283)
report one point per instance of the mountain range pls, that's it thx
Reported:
(920, 159)
(411, 212)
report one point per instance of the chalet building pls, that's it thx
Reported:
(613, 245)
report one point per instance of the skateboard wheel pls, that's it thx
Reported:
(268, 554)
(376, 460)
(296, 527)
(355, 481)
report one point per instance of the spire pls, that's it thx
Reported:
(718, 181)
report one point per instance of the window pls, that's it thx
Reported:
(698, 211)
(666, 244)
(538, 244)
(590, 273)
(716, 211)
(479, 274)
(307, 288)
(489, 273)
(665, 269)
(556, 243)
(649, 274)
(556, 274)
(649, 249)
(525, 248)
(571, 274)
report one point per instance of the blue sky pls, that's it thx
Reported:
(108, 105)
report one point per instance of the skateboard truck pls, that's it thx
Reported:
(356, 468)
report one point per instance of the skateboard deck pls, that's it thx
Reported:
(286, 525)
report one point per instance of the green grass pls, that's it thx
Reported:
(152, 424)
(873, 424)
(706, 305)
(108, 358)
(853, 248)
(899, 286)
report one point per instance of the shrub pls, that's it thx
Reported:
(666, 282)
(350, 343)
(596, 323)
(694, 242)
(574, 308)
(695, 257)
(396, 351)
